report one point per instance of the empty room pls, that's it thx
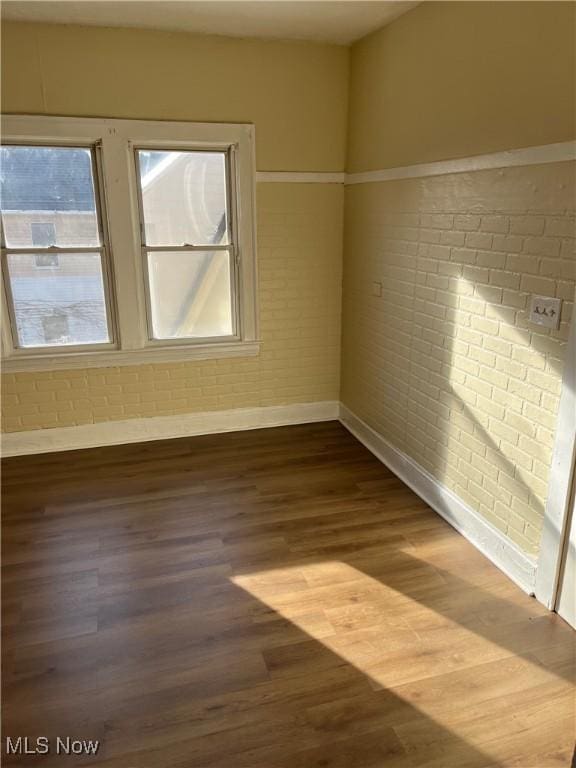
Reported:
(288, 384)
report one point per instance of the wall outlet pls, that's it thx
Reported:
(545, 311)
(376, 289)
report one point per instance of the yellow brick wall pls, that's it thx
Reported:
(299, 251)
(445, 364)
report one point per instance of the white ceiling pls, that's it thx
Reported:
(324, 21)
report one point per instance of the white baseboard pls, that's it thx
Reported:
(164, 427)
(509, 558)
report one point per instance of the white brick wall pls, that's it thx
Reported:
(446, 365)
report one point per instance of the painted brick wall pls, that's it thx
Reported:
(445, 364)
(299, 251)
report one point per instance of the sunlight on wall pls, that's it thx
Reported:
(502, 369)
(445, 364)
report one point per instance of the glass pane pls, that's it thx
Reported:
(47, 197)
(58, 302)
(184, 197)
(190, 294)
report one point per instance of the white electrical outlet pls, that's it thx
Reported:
(376, 289)
(544, 310)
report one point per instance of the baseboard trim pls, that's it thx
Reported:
(509, 558)
(164, 427)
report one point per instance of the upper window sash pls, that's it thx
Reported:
(189, 226)
(85, 198)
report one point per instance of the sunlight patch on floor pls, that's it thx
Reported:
(398, 643)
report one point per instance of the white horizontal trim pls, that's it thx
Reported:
(547, 153)
(509, 558)
(289, 177)
(164, 427)
(117, 357)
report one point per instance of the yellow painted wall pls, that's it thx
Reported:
(296, 95)
(455, 79)
(445, 365)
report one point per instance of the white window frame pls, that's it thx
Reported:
(115, 142)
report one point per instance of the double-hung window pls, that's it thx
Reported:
(55, 258)
(125, 242)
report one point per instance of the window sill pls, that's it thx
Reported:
(114, 358)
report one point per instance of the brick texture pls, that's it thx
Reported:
(299, 251)
(445, 364)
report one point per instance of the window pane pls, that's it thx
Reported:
(63, 304)
(47, 197)
(184, 197)
(190, 294)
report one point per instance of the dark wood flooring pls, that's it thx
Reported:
(266, 599)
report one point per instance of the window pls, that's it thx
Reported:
(46, 260)
(43, 234)
(125, 242)
(67, 307)
(188, 247)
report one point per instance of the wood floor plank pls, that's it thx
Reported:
(265, 599)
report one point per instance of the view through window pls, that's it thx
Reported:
(187, 243)
(48, 201)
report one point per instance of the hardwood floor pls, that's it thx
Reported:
(266, 599)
